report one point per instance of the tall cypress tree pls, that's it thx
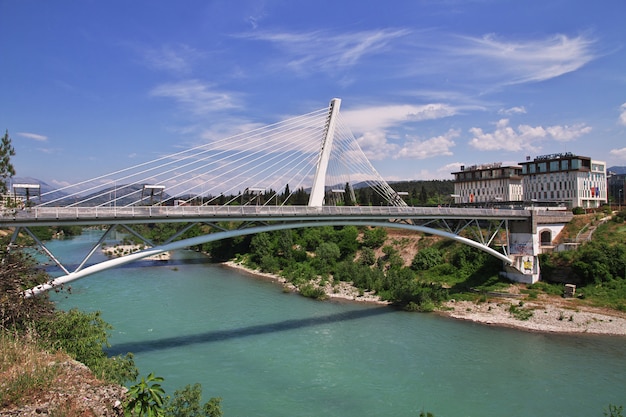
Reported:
(6, 167)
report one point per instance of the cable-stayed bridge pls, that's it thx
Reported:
(300, 172)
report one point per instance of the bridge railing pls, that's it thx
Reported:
(77, 214)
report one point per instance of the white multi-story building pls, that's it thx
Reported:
(576, 181)
(488, 183)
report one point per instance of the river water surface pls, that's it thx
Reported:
(270, 353)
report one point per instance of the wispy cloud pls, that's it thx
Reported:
(381, 117)
(322, 50)
(622, 116)
(524, 137)
(527, 60)
(176, 58)
(513, 110)
(619, 154)
(33, 136)
(197, 97)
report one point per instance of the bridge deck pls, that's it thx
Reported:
(52, 216)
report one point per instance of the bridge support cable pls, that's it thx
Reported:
(359, 166)
(315, 150)
(209, 169)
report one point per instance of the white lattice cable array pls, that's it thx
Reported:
(264, 161)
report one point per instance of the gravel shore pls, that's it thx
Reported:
(543, 314)
(549, 315)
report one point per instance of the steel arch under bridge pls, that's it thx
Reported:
(480, 228)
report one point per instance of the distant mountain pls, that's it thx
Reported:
(617, 170)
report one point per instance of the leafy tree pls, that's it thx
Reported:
(368, 256)
(392, 258)
(261, 246)
(426, 258)
(146, 398)
(326, 255)
(285, 244)
(6, 167)
(311, 238)
(423, 198)
(17, 273)
(347, 241)
(187, 403)
(374, 237)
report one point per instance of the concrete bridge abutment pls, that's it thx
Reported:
(525, 243)
(523, 251)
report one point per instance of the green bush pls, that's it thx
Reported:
(83, 336)
(426, 258)
(312, 291)
(187, 403)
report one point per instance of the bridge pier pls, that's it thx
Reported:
(526, 243)
(524, 251)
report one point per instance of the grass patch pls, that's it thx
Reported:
(519, 312)
(25, 370)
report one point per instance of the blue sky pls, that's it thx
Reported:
(88, 87)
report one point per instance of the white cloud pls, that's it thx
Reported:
(382, 117)
(567, 133)
(33, 136)
(525, 137)
(513, 110)
(173, 57)
(528, 60)
(375, 146)
(310, 51)
(622, 116)
(451, 167)
(197, 97)
(619, 153)
(436, 146)
(371, 125)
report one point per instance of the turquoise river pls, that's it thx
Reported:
(270, 353)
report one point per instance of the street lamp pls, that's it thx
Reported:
(258, 190)
(152, 189)
(27, 191)
(402, 195)
(619, 202)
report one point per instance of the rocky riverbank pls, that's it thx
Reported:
(74, 391)
(550, 314)
(122, 250)
(343, 291)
